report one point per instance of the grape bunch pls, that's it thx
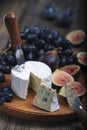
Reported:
(36, 42)
(6, 94)
(6, 62)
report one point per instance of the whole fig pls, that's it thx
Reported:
(51, 58)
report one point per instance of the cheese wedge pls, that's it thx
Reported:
(32, 74)
(46, 99)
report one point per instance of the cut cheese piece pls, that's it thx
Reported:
(30, 75)
(46, 98)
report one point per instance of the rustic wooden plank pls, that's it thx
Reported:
(11, 123)
(25, 110)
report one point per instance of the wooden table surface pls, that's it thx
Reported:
(28, 12)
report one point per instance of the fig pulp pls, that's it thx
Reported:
(76, 37)
(73, 70)
(77, 87)
(60, 78)
(82, 60)
(51, 58)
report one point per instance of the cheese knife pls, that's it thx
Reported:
(76, 105)
(11, 23)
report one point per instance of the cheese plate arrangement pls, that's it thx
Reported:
(32, 77)
(26, 110)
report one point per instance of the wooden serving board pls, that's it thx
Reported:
(25, 110)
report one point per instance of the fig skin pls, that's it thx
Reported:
(76, 37)
(81, 63)
(73, 70)
(60, 78)
(51, 58)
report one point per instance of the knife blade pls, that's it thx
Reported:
(72, 99)
(76, 105)
(11, 23)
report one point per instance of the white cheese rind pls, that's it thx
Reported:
(21, 76)
(46, 99)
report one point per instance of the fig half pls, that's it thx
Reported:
(76, 37)
(73, 70)
(82, 60)
(77, 87)
(60, 78)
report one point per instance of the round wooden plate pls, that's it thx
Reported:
(24, 108)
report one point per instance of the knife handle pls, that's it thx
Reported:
(11, 23)
(82, 116)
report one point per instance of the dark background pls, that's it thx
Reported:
(28, 13)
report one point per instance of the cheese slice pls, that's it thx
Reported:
(30, 75)
(46, 98)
